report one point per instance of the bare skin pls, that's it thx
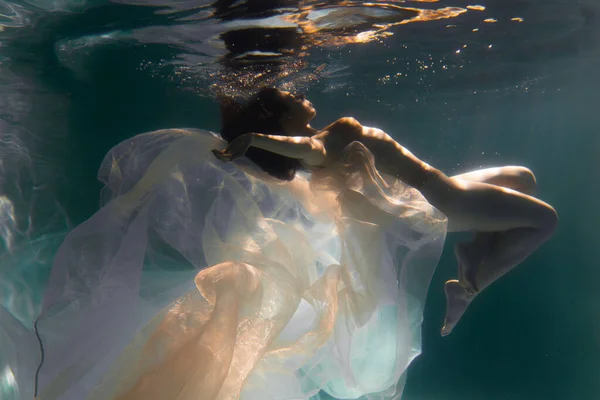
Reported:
(496, 203)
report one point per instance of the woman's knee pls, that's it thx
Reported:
(525, 180)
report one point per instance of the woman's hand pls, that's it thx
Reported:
(235, 149)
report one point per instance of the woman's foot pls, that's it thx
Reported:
(457, 301)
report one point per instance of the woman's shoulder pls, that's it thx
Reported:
(346, 127)
(345, 123)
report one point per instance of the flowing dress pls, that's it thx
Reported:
(199, 279)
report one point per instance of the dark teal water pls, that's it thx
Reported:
(72, 85)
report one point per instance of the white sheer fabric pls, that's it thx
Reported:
(200, 279)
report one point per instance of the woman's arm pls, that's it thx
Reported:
(308, 149)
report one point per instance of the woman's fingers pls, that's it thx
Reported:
(236, 149)
(222, 155)
(227, 154)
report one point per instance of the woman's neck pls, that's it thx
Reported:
(303, 131)
(298, 129)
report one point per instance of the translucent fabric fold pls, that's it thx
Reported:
(199, 279)
(24, 271)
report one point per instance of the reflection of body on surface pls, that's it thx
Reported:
(496, 204)
(267, 41)
(258, 52)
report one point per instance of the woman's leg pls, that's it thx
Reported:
(470, 254)
(523, 223)
(517, 178)
(507, 250)
(510, 226)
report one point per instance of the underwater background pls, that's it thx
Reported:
(462, 85)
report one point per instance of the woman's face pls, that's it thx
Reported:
(300, 110)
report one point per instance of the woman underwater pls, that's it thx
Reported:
(495, 203)
(239, 278)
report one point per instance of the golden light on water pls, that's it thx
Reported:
(476, 8)
(434, 15)
(353, 22)
(318, 24)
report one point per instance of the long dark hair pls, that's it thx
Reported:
(262, 114)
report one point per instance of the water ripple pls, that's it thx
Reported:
(228, 47)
